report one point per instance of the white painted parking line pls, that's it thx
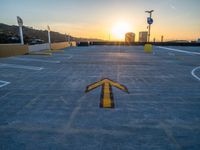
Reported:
(94, 76)
(67, 56)
(70, 57)
(171, 54)
(37, 60)
(193, 73)
(178, 50)
(20, 66)
(3, 83)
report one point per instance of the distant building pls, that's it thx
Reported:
(193, 41)
(162, 38)
(179, 41)
(198, 41)
(143, 36)
(130, 37)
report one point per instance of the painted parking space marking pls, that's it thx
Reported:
(107, 97)
(193, 73)
(187, 52)
(178, 50)
(3, 83)
(171, 54)
(36, 60)
(69, 56)
(93, 76)
(65, 56)
(2, 65)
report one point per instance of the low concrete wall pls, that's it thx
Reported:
(54, 46)
(143, 43)
(61, 45)
(73, 44)
(38, 47)
(7, 50)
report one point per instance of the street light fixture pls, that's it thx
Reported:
(20, 23)
(149, 21)
(49, 36)
(150, 12)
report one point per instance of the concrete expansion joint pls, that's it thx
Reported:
(169, 134)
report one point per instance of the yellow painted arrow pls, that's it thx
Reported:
(107, 99)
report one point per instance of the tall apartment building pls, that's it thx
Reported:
(143, 36)
(130, 37)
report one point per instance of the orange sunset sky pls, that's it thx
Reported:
(175, 19)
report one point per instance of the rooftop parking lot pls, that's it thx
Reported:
(43, 104)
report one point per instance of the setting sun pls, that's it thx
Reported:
(120, 29)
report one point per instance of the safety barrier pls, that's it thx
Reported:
(61, 45)
(38, 47)
(7, 50)
(73, 44)
(143, 43)
(54, 46)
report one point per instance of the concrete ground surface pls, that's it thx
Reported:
(43, 104)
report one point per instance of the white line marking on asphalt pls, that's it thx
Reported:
(171, 54)
(38, 60)
(4, 83)
(94, 76)
(193, 73)
(178, 50)
(70, 57)
(20, 66)
(64, 55)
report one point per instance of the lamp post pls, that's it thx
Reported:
(49, 36)
(20, 23)
(150, 22)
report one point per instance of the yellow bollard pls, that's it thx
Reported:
(148, 48)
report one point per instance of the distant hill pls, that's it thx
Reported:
(10, 34)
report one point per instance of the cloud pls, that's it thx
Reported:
(172, 7)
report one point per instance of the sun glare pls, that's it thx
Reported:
(120, 29)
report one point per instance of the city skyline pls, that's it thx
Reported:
(175, 19)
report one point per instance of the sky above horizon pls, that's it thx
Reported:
(175, 19)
